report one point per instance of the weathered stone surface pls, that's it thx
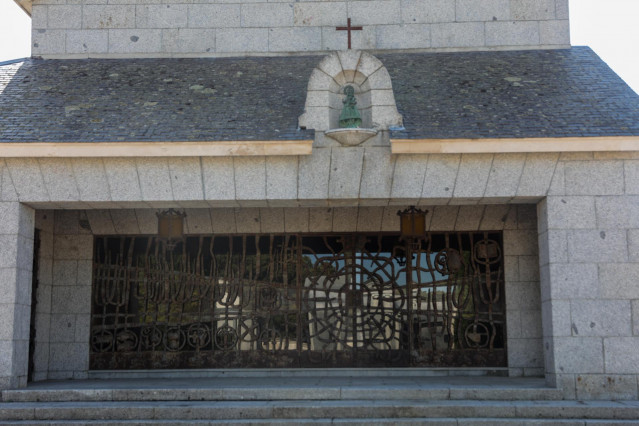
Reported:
(369, 219)
(281, 178)
(125, 221)
(247, 220)
(223, 221)
(108, 16)
(604, 386)
(537, 174)
(408, 177)
(621, 355)
(377, 174)
(554, 32)
(344, 219)
(556, 320)
(198, 221)
(580, 281)
(579, 355)
(459, 34)
(218, 176)
(186, 178)
(122, 178)
(594, 177)
(155, 180)
(525, 353)
(597, 246)
(473, 175)
(572, 213)
(272, 220)
(444, 218)
(617, 212)
(619, 280)
(601, 318)
(250, 178)
(345, 172)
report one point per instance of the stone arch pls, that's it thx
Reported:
(373, 91)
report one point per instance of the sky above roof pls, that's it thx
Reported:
(608, 27)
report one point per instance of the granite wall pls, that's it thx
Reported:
(585, 230)
(137, 28)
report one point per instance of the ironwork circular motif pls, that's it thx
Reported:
(101, 341)
(198, 335)
(126, 341)
(477, 335)
(174, 339)
(151, 337)
(487, 252)
(225, 337)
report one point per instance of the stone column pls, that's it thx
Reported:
(16, 264)
(589, 288)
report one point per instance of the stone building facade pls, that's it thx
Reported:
(485, 141)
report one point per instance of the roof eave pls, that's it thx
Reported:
(25, 5)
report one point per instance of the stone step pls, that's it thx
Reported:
(279, 393)
(349, 422)
(288, 388)
(330, 409)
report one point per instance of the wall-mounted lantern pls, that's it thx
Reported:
(412, 225)
(170, 226)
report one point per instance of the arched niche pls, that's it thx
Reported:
(373, 91)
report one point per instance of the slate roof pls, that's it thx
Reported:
(550, 93)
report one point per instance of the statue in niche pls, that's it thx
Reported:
(349, 118)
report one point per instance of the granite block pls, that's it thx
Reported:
(486, 10)
(320, 13)
(428, 11)
(321, 220)
(408, 176)
(281, 178)
(91, 179)
(603, 318)
(201, 15)
(161, 16)
(108, 16)
(122, 178)
(345, 173)
(571, 212)
(250, 178)
(594, 177)
(241, 40)
(621, 355)
(186, 178)
(537, 174)
(619, 280)
(505, 174)
(512, 33)
(87, 41)
(579, 355)
(472, 175)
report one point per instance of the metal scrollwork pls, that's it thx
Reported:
(357, 300)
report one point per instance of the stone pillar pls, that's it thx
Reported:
(16, 264)
(70, 296)
(589, 288)
(43, 223)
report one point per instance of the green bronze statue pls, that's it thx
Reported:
(349, 118)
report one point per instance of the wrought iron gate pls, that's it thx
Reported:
(349, 300)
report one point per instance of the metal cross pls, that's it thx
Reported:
(349, 29)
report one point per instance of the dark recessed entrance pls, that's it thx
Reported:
(285, 301)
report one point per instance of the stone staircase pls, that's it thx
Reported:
(307, 401)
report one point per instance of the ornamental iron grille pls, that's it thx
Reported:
(284, 301)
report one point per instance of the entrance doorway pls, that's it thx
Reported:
(301, 300)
